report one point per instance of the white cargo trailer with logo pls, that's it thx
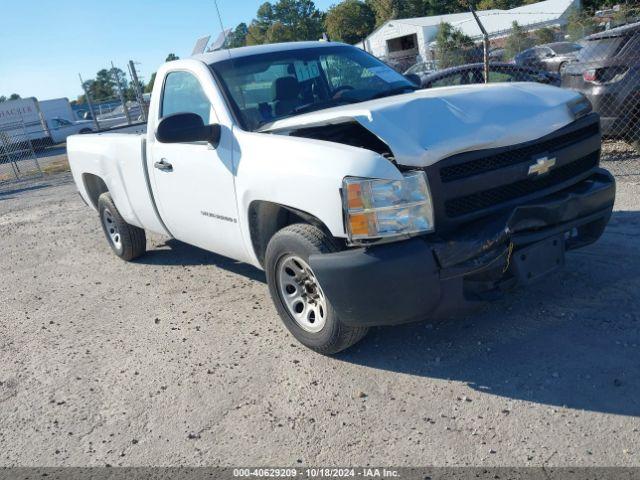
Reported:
(22, 121)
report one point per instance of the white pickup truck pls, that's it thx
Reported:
(366, 201)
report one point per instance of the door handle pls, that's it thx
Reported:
(163, 165)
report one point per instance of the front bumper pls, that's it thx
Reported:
(427, 277)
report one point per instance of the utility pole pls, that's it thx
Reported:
(137, 88)
(121, 93)
(87, 97)
(485, 43)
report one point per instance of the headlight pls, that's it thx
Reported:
(387, 208)
(580, 107)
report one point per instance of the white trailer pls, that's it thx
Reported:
(57, 108)
(22, 121)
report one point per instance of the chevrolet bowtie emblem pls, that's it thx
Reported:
(542, 166)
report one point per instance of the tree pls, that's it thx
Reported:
(498, 4)
(286, 20)
(545, 35)
(349, 21)
(579, 24)
(13, 96)
(149, 87)
(255, 34)
(452, 46)
(102, 87)
(278, 33)
(517, 41)
(152, 80)
(390, 9)
(238, 37)
(301, 17)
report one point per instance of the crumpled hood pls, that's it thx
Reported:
(425, 126)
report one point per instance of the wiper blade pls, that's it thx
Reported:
(320, 106)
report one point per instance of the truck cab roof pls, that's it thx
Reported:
(233, 53)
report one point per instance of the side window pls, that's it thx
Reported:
(544, 53)
(183, 93)
(345, 72)
(453, 79)
(502, 76)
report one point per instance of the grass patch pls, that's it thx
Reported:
(57, 166)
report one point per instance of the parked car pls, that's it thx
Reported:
(550, 57)
(497, 55)
(498, 72)
(607, 71)
(365, 200)
(422, 68)
(61, 128)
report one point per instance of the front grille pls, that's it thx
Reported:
(512, 157)
(459, 206)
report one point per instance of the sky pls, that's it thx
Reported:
(44, 44)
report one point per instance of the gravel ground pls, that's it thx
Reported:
(180, 359)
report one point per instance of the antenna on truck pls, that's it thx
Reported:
(218, 44)
(223, 34)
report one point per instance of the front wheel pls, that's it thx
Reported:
(305, 310)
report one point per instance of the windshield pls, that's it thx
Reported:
(267, 87)
(600, 49)
(566, 48)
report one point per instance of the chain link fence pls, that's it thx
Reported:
(32, 139)
(111, 113)
(18, 146)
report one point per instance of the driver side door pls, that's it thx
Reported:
(194, 182)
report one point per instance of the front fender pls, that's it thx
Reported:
(302, 174)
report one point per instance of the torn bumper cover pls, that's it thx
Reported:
(428, 277)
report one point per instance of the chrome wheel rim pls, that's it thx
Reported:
(301, 293)
(111, 228)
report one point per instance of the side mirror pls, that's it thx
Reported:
(186, 128)
(415, 79)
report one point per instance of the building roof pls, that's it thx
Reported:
(547, 12)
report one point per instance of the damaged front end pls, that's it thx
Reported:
(497, 226)
(441, 276)
(348, 132)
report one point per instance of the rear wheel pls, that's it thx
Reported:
(127, 241)
(304, 309)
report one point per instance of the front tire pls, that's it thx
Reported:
(127, 241)
(297, 295)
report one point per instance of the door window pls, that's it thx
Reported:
(453, 79)
(183, 93)
(509, 75)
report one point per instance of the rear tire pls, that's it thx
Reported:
(297, 295)
(127, 241)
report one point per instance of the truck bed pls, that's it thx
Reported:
(118, 160)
